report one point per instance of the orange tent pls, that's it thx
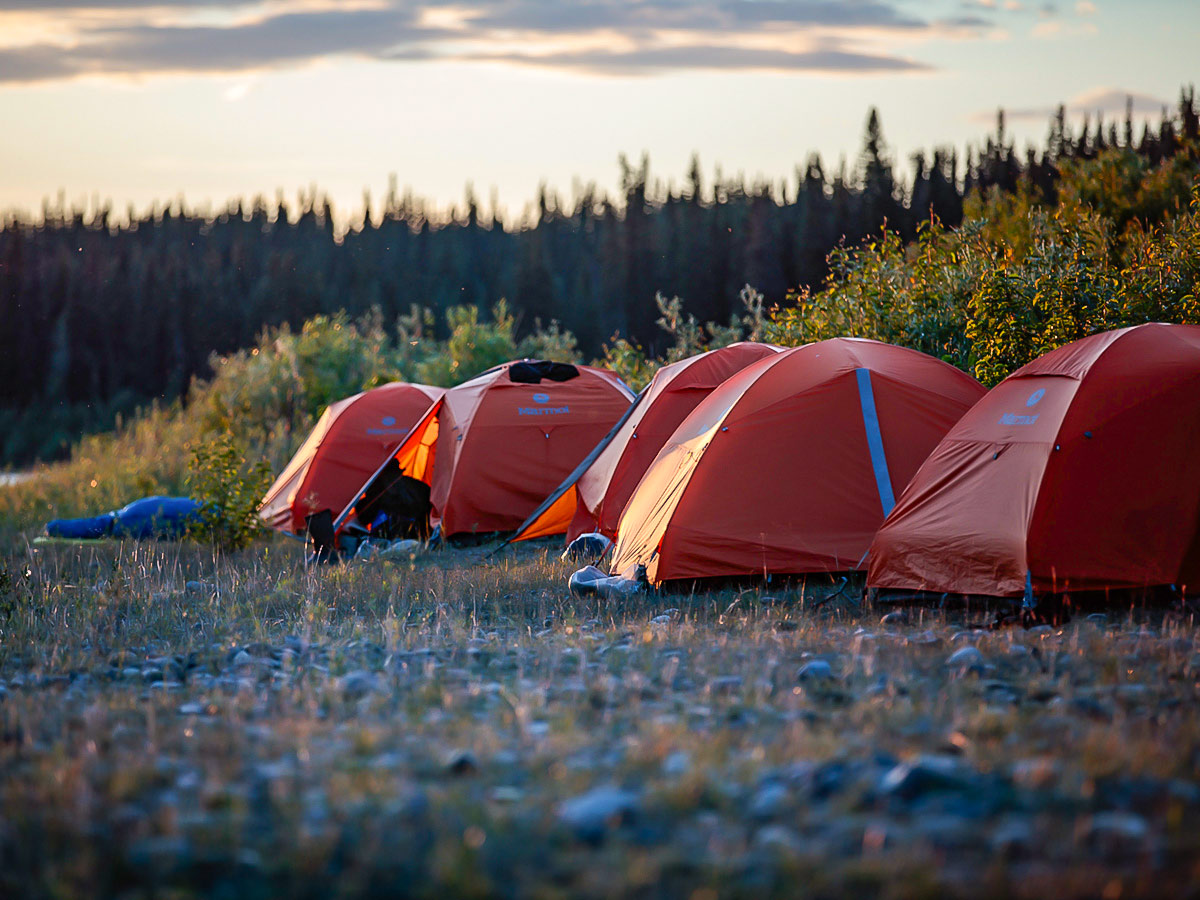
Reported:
(342, 450)
(494, 446)
(790, 465)
(600, 491)
(1079, 471)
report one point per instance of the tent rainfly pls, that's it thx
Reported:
(342, 450)
(491, 448)
(597, 492)
(1079, 471)
(791, 465)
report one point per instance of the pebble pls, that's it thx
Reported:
(779, 840)
(356, 685)
(1012, 838)
(926, 775)
(815, 670)
(725, 685)
(1116, 834)
(966, 660)
(590, 816)
(677, 763)
(460, 762)
(771, 800)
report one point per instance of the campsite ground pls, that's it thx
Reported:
(173, 725)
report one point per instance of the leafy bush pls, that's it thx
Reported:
(1017, 278)
(230, 486)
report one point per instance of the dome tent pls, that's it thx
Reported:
(342, 450)
(791, 465)
(491, 448)
(1077, 472)
(591, 499)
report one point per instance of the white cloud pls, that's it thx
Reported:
(1085, 8)
(133, 38)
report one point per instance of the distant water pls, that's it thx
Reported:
(8, 479)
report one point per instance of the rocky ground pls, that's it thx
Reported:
(456, 725)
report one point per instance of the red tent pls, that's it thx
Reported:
(342, 450)
(597, 495)
(493, 447)
(1079, 471)
(791, 464)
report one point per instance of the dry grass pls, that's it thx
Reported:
(415, 729)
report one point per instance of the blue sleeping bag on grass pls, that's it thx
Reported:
(150, 517)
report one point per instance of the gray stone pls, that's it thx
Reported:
(590, 816)
(927, 775)
(815, 670)
(778, 840)
(460, 762)
(771, 801)
(357, 684)
(1116, 834)
(1012, 838)
(725, 685)
(966, 660)
(677, 763)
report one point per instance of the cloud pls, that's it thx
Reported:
(119, 5)
(1108, 102)
(1085, 8)
(119, 37)
(639, 62)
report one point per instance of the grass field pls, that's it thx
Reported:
(173, 724)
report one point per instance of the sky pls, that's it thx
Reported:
(138, 101)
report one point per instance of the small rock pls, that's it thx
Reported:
(895, 617)
(242, 658)
(725, 685)
(779, 840)
(815, 670)
(198, 587)
(1012, 838)
(677, 763)
(926, 775)
(507, 794)
(591, 815)
(461, 762)
(1115, 834)
(770, 801)
(966, 660)
(661, 620)
(192, 709)
(357, 684)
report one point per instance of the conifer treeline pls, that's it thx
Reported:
(99, 317)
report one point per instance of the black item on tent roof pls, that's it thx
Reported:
(532, 371)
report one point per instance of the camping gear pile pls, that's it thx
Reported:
(1077, 473)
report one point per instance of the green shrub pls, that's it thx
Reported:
(1017, 278)
(230, 486)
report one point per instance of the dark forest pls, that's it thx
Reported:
(102, 316)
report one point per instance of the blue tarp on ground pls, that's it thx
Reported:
(150, 517)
